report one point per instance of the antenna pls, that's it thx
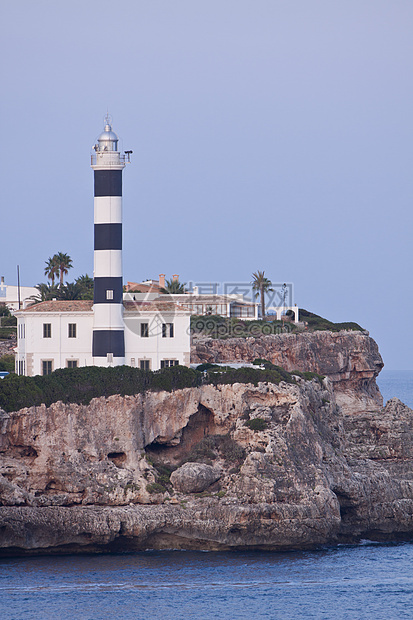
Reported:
(18, 285)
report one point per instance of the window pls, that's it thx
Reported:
(47, 330)
(109, 293)
(72, 363)
(145, 330)
(145, 364)
(169, 363)
(72, 330)
(167, 330)
(47, 367)
(21, 367)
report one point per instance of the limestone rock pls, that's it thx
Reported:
(350, 359)
(329, 464)
(194, 477)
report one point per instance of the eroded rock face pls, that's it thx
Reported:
(351, 360)
(96, 477)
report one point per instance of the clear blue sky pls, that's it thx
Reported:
(267, 134)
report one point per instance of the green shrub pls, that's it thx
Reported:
(80, 385)
(131, 486)
(163, 474)
(257, 424)
(8, 321)
(267, 364)
(316, 323)
(203, 452)
(230, 450)
(250, 375)
(261, 362)
(4, 311)
(18, 392)
(155, 487)
(7, 362)
(6, 333)
(222, 327)
(206, 366)
(307, 375)
(212, 446)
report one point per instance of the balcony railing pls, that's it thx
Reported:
(108, 158)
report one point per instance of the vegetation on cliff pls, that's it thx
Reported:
(220, 327)
(316, 322)
(80, 385)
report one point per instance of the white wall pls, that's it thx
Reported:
(156, 347)
(34, 348)
(279, 311)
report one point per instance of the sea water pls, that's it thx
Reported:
(396, 383)
(366, 581)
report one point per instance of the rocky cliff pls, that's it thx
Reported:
(263, 467)
(350, 359)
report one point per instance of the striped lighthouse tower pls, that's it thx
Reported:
(108, 345)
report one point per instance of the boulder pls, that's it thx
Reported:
(194, 477)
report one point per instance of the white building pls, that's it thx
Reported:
(228, 305)
(58, 334)
(108, 331)
(9, 295)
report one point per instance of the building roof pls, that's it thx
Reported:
(153, 306)
(135, 287)
(86, 305)
(74, 305)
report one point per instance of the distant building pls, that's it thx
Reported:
(9, 295)
(233, 305)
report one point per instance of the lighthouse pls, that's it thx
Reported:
(108, 341)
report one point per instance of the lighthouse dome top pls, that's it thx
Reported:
(108, 140)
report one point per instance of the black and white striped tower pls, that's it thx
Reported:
(108, 345)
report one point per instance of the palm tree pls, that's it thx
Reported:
(261, 285)
(64, 263)
(71, 291)
(46, 292)
(51, 270)
(85, 283)
(174, 287)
